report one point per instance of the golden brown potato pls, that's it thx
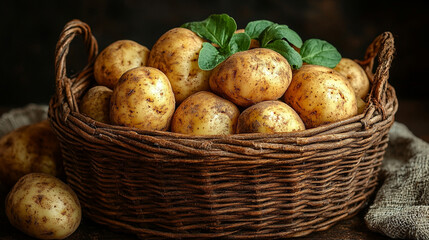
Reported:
(31, 148)
(205, 113)
(144, 99)
(251, 76)
(116, 59)
(43, 207)
(320, 95)
(176, 54)
(96, 103)
(355, 75)
(361, 104)
(269, 117)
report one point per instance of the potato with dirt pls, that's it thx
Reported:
(252, 76)
(355, 75)
(96, 103)
(43, 207)
(30, 148)
(205, 113)
(143, 99)
(320, 95)
(269, 117)
(116, 59)
(176, 53)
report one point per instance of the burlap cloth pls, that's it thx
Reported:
(401, 205)
(18, 117)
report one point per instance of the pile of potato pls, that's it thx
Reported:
(252, 91)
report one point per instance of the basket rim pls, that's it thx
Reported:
(155, 146)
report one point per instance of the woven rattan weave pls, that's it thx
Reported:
(165, 185)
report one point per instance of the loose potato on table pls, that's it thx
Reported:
(320, 95)
(96, 103)
(31, 148)
(204, 113)
(251, 76)
(355, 75)
(144, 99)
(269, 117)
(43, 207)
(116, 59)
(176, 54)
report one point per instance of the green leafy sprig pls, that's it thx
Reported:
(219, 30)
(320, 52)
(278, 38)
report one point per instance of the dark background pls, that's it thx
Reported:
(30, 29)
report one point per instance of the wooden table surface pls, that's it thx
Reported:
(415, 114)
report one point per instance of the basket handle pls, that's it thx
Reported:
(382, 47)
(63, 83)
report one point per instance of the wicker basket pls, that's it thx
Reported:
(161, 184)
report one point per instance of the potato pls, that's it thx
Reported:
(269, 117)
(320, 95)
(43, 207)
(176, 54)
(205, 113)
(116, 59)
(361, 105)
(355, 75)
(96, 103)
(30, 148)
(251, 76)
(144, 99)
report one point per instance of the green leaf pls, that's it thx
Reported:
(220, 29)
(210, 57)
(292, 37)
(217, 28)
(239, 42)
(255, 28)
(320, 52)
(277, 32)
(287, 52)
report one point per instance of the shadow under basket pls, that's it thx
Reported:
(158, 184)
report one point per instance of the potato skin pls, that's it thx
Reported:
(43, 207)
(355, 75)
(116, 59)
(269, 117)
(96, 104)
(320, 95)
(361, 105)
(251, 76)
(30, 148)
(205, 113)
(144, 99)
(176, 53)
